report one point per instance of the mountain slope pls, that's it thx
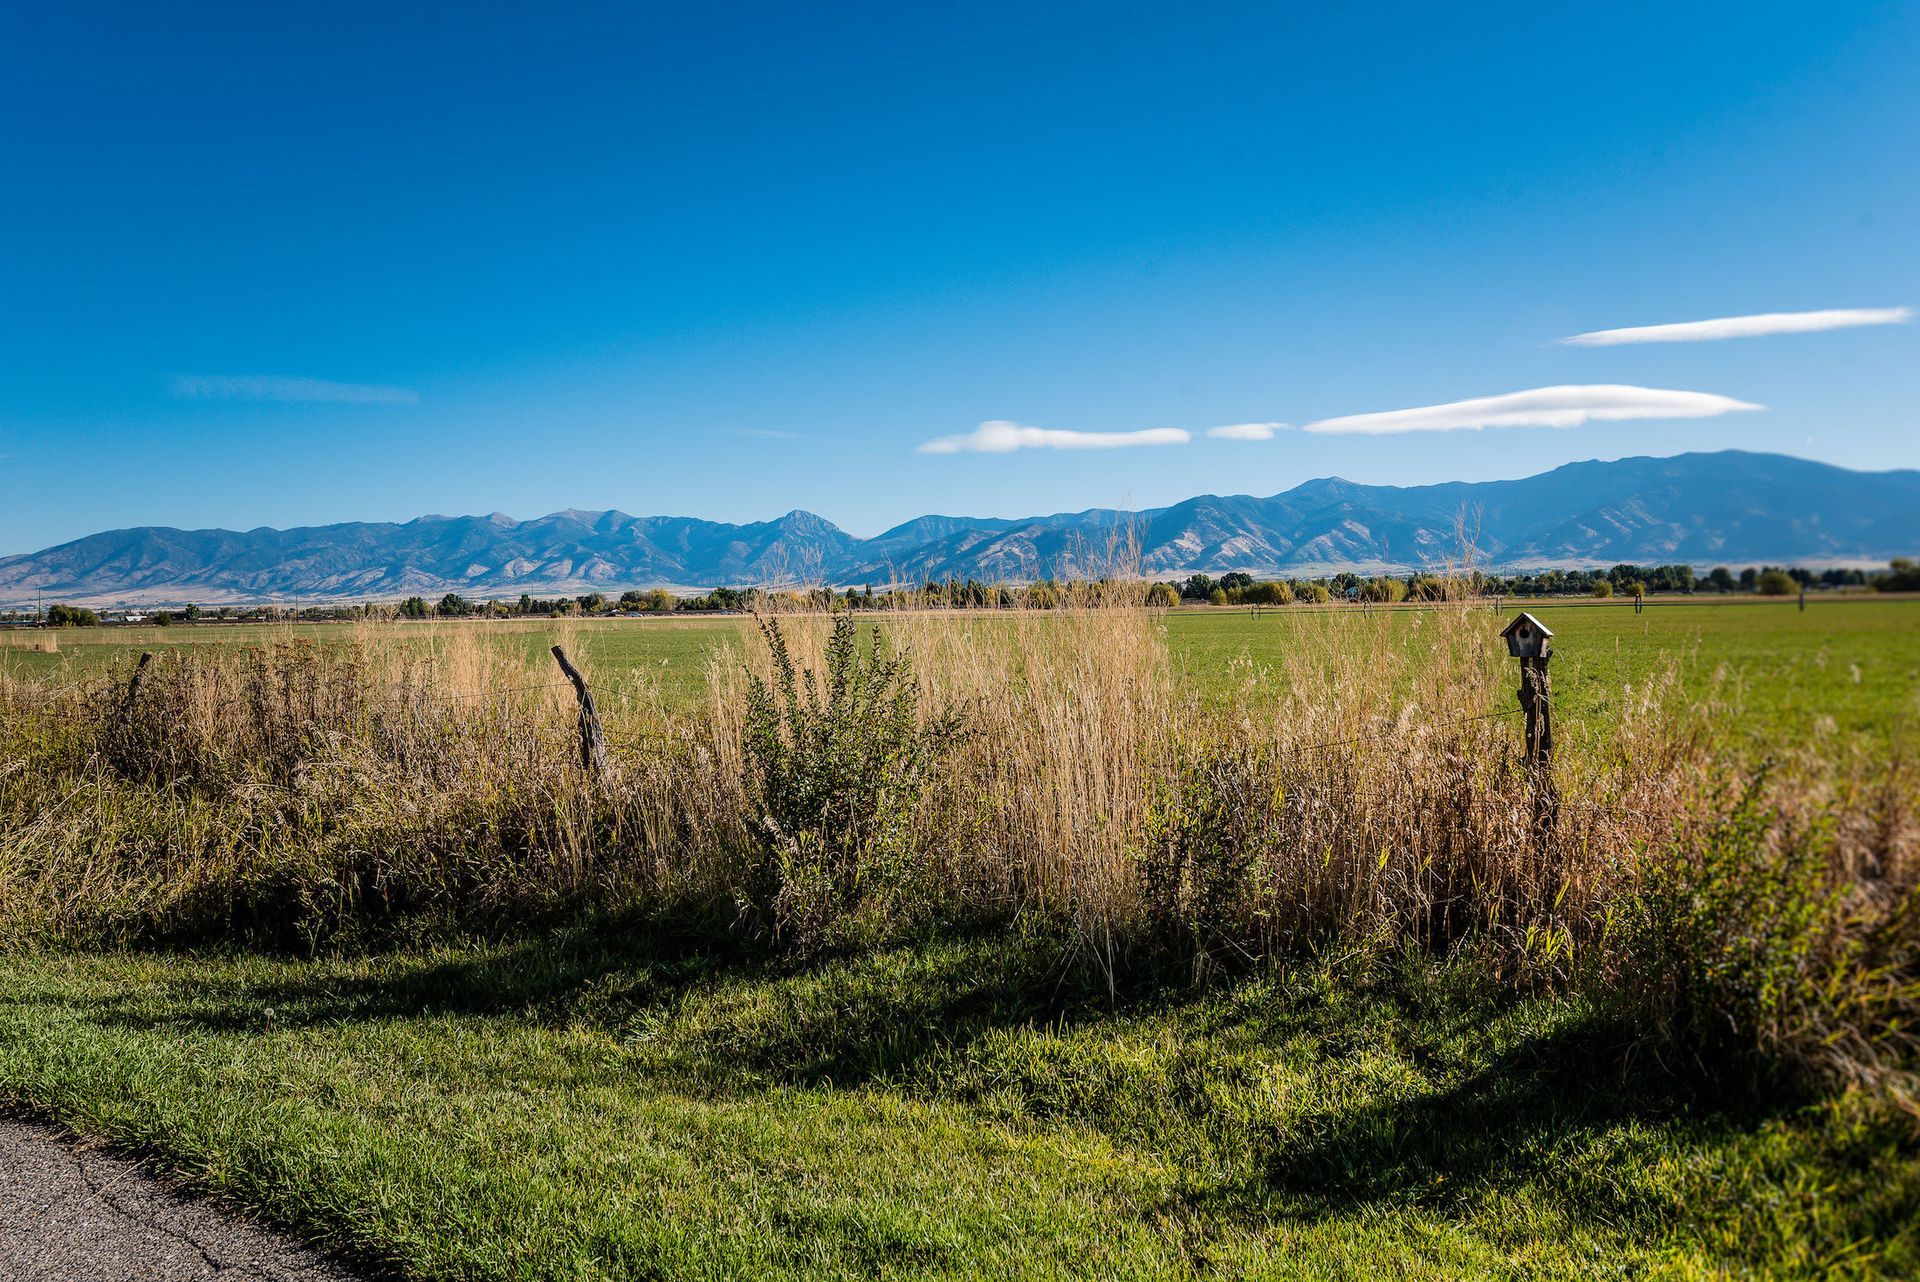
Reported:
(1730, 507)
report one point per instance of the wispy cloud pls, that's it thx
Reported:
(999, 437)
(1247, 431)
(1706, 331)
(275, 387)
(1540, 407)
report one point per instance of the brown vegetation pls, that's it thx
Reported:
(1040, 771)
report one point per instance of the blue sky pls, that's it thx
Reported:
(276, 265)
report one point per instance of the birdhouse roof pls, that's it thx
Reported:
(1524, 617)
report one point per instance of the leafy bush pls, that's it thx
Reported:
(1203, 841)
(1775, 583)
(836, 772)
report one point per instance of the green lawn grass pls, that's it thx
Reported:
(598, 1104)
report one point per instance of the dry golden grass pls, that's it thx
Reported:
(1367, 794)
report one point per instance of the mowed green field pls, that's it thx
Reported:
(1780, 670)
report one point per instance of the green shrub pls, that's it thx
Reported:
(836, 772)
(1753, 937)
(1775, 583)
(1204, 838)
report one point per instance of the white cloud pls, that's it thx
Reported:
(274, 387)
(1540, 407)
(1247, 431)
(1000, 437)
(1705, 331)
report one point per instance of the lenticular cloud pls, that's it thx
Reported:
(1541, 407)
(1756, 326)
(1246, 431)
(1001, 437)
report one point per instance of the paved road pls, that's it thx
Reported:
(71, 1214)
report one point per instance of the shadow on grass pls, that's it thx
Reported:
(701, 1012)
(1511, 1121)
(720, 1008)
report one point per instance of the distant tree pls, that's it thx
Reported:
(1902, 575)
(191, 613)
(1721, 578)
(414, 608)
(1773, 582)
(1163, 596)
(71, 616)
(162, 618)
(1602, 587)
(593, 602)
(1044, 595)
(1269, 594)
(1383, 590)
(453, 606)
(1217, 597)
(630, 599)
(1317, 593)
(1198, 587)
(1749, 577)
(1235, 581)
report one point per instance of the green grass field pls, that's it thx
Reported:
(1856, 661)
(598, 1104)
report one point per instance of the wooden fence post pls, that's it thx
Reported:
(133, 687)
(1531, 642)
(593, 741)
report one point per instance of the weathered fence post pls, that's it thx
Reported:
(1531, 642)
(133, 687)
(593, 741)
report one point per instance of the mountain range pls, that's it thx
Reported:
(1732, 507)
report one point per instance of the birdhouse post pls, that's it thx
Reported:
(1531, 642)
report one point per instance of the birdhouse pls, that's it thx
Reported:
(1527, 637)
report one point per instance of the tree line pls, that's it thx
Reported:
(1234, 588)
